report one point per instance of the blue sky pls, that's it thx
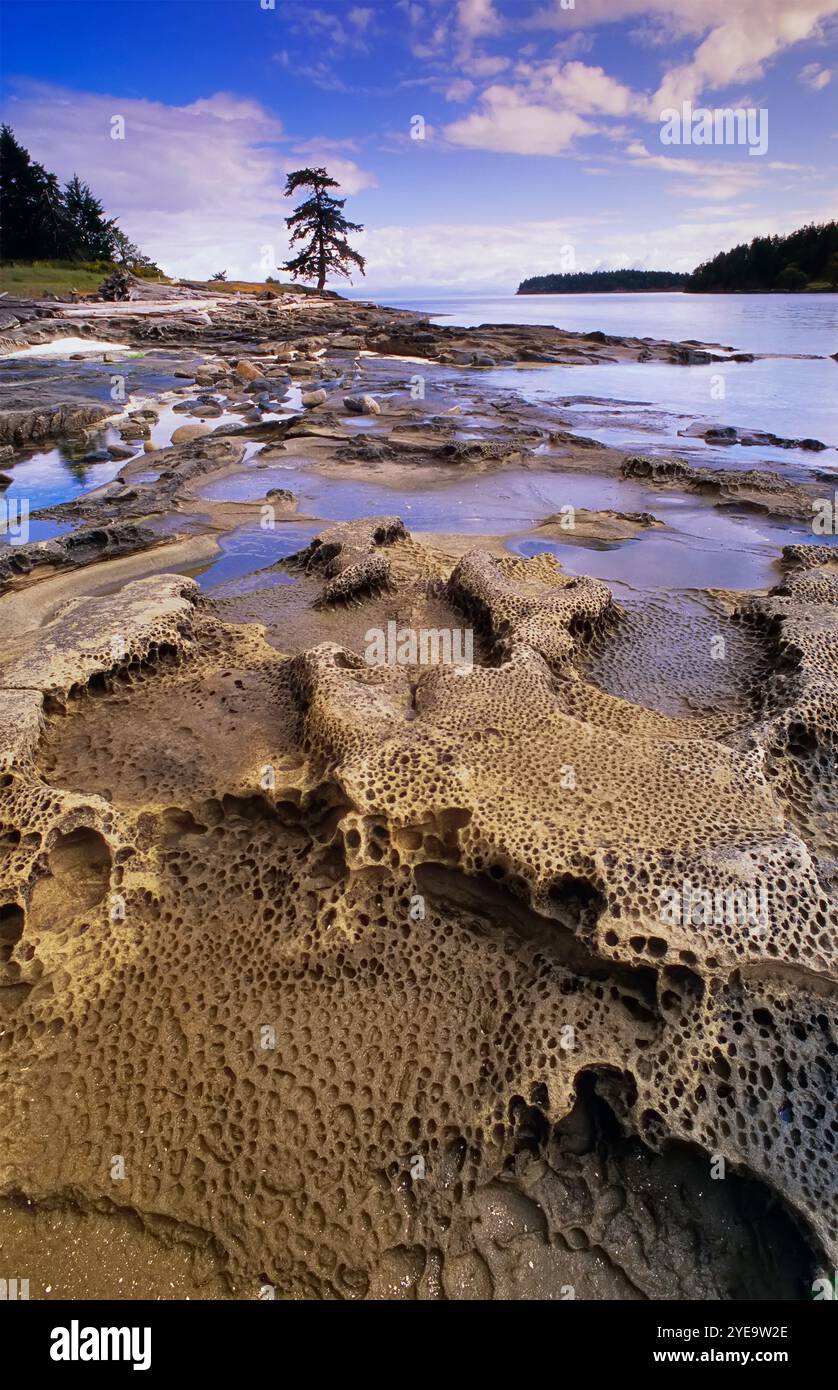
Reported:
(540, 122)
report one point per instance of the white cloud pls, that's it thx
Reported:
(575, 84)
(325, 27)
(738, 49)
(351, 177)
(459, 90)
(510, 124)
(477, 18)
(361, 17)
(737, 40)
(485, 65)
(814, 76)
(462, 255)
(543, 110)
(414, 11)
(539, 110)
(226, 107)
(715, 180)
(571, 47)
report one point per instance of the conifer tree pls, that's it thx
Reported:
(41, 221)
(33, 222)
(320, 223)
(92, 234)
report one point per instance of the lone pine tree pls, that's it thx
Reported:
(320, 223)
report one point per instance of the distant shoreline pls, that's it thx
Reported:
(534, 294)
(614, 281)
(565, 294)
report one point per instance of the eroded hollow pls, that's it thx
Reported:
(12, 922)
(80, 864)
(503, 910)
(586, 1205)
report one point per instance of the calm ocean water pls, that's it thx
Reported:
(784, 323)
(793, 394)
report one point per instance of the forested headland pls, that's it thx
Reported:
(599, 281)
(805, 260)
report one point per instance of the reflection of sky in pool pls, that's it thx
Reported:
(13, 533)
(53, 476)
(703, 546)
(659, 561)
(249, 548)
(56, 474)
(490, 503)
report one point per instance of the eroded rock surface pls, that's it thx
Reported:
(356, 975)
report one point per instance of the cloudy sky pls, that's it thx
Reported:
(540, 123)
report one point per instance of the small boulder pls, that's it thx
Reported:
(247, 371)
(184, 434)
(208, 376)
(314, 398)
(362, 405)
(303, 368)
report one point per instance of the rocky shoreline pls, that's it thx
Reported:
(360, 968)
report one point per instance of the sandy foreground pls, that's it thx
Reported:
(342, 965)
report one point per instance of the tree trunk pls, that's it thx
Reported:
(321, 269)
